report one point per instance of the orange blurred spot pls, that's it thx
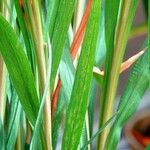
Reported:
(21, 3)
(144, 140)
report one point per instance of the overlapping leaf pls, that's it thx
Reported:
(65, 12)
(75, 115)
(137, 84)
(14, 120)
(110, 28)
(19, 69)
(116, 40)
(2, 136)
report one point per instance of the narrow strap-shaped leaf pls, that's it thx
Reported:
(19, 69)
(99, 60)
(23, 28)
(91, 107)
(101, 43)
(51, 18)
(75, 114)
(112, 71)
(13, 124)
(2, 135)
(67, 73)
(65, 12)
(58, 117)
(137, 84)
(14, 113)
(36, 136)
(110, 26)
(110, 22)
(99, 131)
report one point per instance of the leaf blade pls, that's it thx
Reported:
(113, 62)
(137, 84)
(19, 69)
(60, 33)
(78, 102)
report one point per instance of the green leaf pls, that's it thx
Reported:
(98, 78)
(91, 107)
(77, 108)
(14, 119)
(60, 33)
(19, 69)
(136, 86)
(58, 117)
(67, 73)
(2, 136)
(22, 25)
(51, 18)
(110, 26)
(101, 43)
(99, 60)
(99, 131)
(116, 40)
(38, 125)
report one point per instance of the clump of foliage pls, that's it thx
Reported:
(51, 57)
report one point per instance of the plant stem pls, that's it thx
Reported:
(18, 142)
(41, 64)
(28, 134)
(2, 89)
(87, 128)
(122, 33)
(3, 70)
